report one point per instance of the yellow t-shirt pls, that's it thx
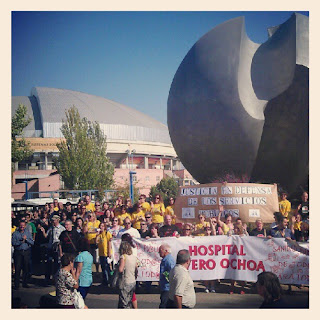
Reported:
(297, 225)
(103, 243)
(170, 211)
(13, 229)
(136, 215)
(145, 207)
(201, 227)
(91, 237)
(90, 207)
(155, 211)
(285, 207)
(122, 216)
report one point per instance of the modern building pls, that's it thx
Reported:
(134, 140)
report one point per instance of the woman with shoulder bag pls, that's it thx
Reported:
(127, 266)
(66, 282)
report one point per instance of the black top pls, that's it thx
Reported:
(277, 304)
(263, 233)
(167, 231)
(304, 210)
(145, 234)
(65, 242)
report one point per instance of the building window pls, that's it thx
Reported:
(147, 178)
(157, 178)
(134, 178)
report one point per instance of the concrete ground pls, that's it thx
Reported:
(101, 297)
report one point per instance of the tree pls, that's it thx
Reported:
(124, 191)
(83, 163)
(167, 187)
(20, 148)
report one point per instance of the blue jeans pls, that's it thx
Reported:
(105, 269)
(83, 291)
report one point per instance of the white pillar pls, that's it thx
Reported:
(160, 163)
(146, 163)
(45, 161)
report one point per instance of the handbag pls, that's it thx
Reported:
(74, 247)
(116, 280)
(78, 300)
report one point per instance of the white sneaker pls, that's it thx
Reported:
(213, 290)
(207, 290)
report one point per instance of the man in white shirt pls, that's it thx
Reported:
(181, 292)
(134, 233)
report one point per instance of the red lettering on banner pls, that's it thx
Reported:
(194, 264)
(228, 246)
(249, 265)
(217, 248)
(193, 250)
(232, 265)
(242, 263)
(235, 250)
(210, 253)
(260, 266)
(224, 263)
(202, 264)
(202, 250)
(241, 251)
(213, 264)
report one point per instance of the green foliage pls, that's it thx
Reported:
(83, 162)
(124, 191)
(167, 187)
(20, 148)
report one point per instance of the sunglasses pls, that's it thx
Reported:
(187, 229)
(83, 208)
(115, 220)
(157, 198)
(89, 216)
(148, 217)
(142, 224)
(128, 223)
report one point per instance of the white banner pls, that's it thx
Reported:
(223, 257)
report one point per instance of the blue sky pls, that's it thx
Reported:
(128, 57)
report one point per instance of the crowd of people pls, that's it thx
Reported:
(69, 241)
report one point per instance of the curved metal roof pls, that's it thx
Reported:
(119, 122)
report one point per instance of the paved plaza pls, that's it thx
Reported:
(101, 297)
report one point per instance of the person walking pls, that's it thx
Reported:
(167, 263)
(84, 261)
(128, 268)
(181, 291)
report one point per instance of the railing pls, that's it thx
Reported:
(72, 195)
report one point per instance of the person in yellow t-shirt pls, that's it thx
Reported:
(170, 210)
(157, 209)
(90, 230)
(228, 226)
(137, 216)
(103, 240)
(284, 204)
(296, 224)
(89, 205)
(200, 227)
(55, 205)
(123, 214)
(145, 205)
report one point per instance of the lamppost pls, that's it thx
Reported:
(131, 173)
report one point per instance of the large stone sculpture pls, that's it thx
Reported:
(241, 107)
